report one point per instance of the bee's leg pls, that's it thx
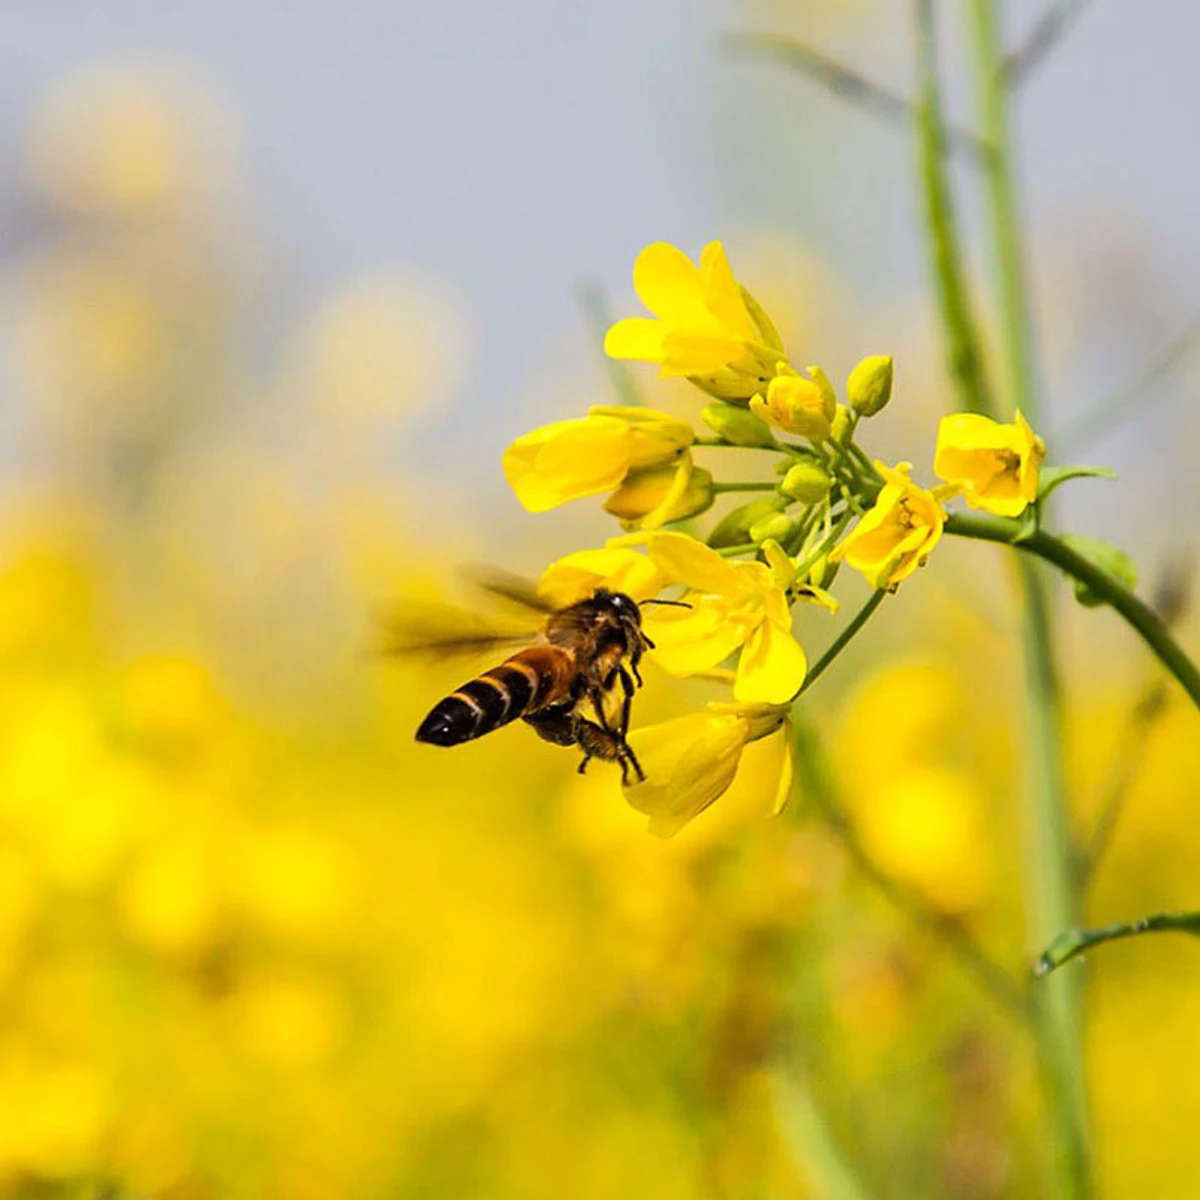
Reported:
(583, 762)
(627, 686)
(600, 742)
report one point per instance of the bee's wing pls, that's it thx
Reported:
(514, 588)
(415, 629)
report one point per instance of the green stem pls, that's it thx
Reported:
(716, 443)
(718, 488)
(1071, 942)
(1136, 613)
(963, 346)
(735, 551)
(1053, 892)
(842, 640)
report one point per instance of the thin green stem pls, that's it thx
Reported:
(764, 486)
(963, 345)
(1072, 942)
(721, 444)
(849, 85)
(735, 551)
(1053, 889)
(842, 640)
(1149, 626)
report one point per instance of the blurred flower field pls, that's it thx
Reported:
(255, 942)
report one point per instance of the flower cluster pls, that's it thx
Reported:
(738, 587)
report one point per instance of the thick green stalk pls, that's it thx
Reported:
(1052, 888)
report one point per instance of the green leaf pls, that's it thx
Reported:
(1072, 942)
(1053, 476)
(1112, 560)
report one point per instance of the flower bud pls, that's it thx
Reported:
(777, 525)
(655, 496)
(737, 425)
(869, 387)
(807, 482)
(822, 573)
(797, 405)
(734, 528)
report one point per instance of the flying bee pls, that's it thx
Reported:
(564, 685)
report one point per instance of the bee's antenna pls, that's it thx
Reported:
(667, 603)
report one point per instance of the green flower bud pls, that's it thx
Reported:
(869, 387)
(843, 425)
(734, 528)
(737, 425)
(777, 525)
(822, 573)
(807, 481)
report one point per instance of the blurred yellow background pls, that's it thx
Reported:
(254, 942)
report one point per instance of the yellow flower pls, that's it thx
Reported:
(898, 534)
(706, 325)
(692, 760)
(569, 459)
(733, 605)
(995, 465)
(654, 496)
(578, 575)
(798, 405)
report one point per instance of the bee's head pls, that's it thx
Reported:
(621, 605)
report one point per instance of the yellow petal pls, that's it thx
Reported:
(567, 460)
(700, 350)
(772, 667)
(689, 641)
(689, 762)
(639, 338)
(666, 280)
(684, 560)
(723, 294)
(578, 575)
(787, 770)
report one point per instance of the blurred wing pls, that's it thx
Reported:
(421, 629)
(514, 588)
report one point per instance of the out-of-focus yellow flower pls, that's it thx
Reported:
(898, 534)
(706, 325)
(733, 604)
(692, 760)
(288, 1020)
(798, 405)
(615, 567)
(996, 466)
(926, 828)
(582, 457)
(125, 142)
(655, 496)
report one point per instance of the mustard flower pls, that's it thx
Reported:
(651, 497)
(615, 567)
(733, 605)
(898, 534)
(706, 326)
(692, 760)
(798, 405)
(995, 466)
(592, 454)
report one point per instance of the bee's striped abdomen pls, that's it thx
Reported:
(523, 684)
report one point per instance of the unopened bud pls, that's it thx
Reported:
(734, 528)
(777, 525)
(822, 573)
(869, 387)
(737, 426)
(807, 481)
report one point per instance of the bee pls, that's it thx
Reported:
(565, 685)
